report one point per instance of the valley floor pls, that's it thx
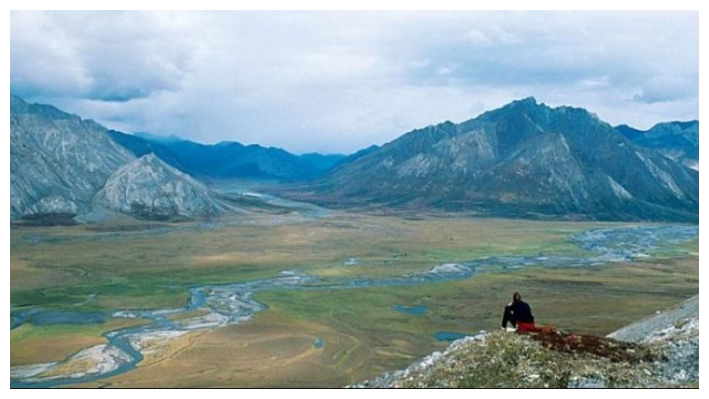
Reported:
(324, 335)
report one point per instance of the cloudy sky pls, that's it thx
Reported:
(340, 81)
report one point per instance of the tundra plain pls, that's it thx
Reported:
(318, 337)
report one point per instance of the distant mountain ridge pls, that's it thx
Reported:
(229, 160)
(524, 159)
(675, 140)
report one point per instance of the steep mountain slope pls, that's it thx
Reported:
(355, 156)
(57, 161)
(524, 159)
(148, 188)
(321, 162)
(62, 166)
(675, 140)
(677, 331)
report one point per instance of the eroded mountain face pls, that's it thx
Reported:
(675, 140)
(62, 166)
(523, 159)
(58, 161)
(148, 188)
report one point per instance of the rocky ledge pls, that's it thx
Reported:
(661, 351)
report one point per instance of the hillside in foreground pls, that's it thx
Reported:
(661, 351)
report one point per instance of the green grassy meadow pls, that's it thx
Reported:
(80, 269)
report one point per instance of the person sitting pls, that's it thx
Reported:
(519, 315)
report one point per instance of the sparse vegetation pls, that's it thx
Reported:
(142, 265)
(508, 360)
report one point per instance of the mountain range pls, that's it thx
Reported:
(58, 161)
(62, 166)
(525, 159)
(676, 140)
(229, 160)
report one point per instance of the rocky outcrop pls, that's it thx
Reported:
(663, 351)
(676, 331)
(148, 188)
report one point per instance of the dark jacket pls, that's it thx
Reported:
(517, 312)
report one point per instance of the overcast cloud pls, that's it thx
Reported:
(340, 81)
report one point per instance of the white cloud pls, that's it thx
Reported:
(339, 81)
(445, 70)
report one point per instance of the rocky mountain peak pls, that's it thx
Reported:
(150, 160)
(18, 106)
(57, 160)
(527, 102)
(525, 158)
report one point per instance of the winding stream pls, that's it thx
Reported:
(227, 304)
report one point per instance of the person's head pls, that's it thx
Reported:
(516, 297)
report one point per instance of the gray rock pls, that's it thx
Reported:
(149, 188)
(675, 140)
(524, 159)
(641, 330)
(57, 160)
(675, 333)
